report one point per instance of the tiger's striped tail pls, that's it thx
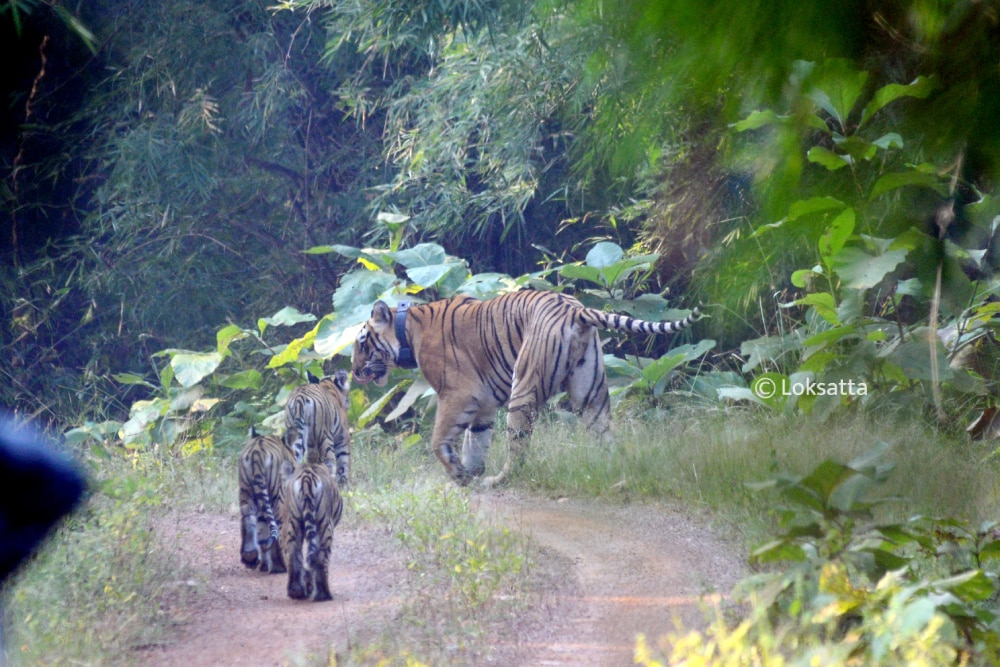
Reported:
(618, 322)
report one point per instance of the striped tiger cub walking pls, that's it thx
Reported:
(312, 509)
(260, 491)
(316, 423)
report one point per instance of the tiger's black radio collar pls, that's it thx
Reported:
(405, 358)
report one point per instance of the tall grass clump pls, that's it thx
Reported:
(709, 458)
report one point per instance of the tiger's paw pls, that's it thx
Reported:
(296, 591)
(250, 558)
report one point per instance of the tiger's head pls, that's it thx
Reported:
(375, 348)
(338, 387)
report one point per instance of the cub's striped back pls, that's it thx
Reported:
(312, 509)
(316, 423)
(260, 497)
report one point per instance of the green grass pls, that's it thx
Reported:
(706, 458)
(102, 587)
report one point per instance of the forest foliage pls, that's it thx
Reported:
(826, 188)
(201, 200)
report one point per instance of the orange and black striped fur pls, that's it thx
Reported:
(312, 509)
(316, 423)
(260, 482)
(517, 350)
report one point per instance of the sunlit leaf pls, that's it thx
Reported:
(191, 367)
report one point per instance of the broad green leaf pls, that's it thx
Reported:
(287, 316)
(248, 379)
(824, 305)
(895, 180)
(424, 254)
(913, 357)
(419, 388)
(319, 250)
(858, 149)
(293, 349)
(757, 119)
(580, 272)
(971, 585)
(801, 277)
(814, 205)
(361, 288)
(620, 270)
(430, 276)
(830, 336)
(604, 254)
(778, 550)
(768, 348)
(920, 87)
(390, 218)
(618, 367)
(738, 394)
(130, 378)
(90, 430)
(827, 158)
(837, 86)
(191, 367)
(225, 337)
(487, 285)
(889, 140)
(859, 270)
(837, 233)
(375, 408)
(681, 354)
(333, 339)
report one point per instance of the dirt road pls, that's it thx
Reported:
(617, 570)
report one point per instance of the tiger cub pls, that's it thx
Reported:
(316, 423)
(260, 482)
(312, 509)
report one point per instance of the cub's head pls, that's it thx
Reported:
(376, 347)
(338, 387)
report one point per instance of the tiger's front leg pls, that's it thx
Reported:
(477, 442)
(450, 424)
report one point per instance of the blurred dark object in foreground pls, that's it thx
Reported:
(38, 485)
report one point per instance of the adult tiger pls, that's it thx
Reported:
(260, 483)
(311, 510)
(316, 423)
(516, 350)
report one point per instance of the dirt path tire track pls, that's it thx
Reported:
(628, 569)
(638, 568)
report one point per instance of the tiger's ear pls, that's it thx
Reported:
(253, 431)
(381, 314)
(342, 379)
(285, 470)
(312, 378)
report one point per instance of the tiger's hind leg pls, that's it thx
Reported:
(538, 375)
(249, 550)
(319, 560)
(291, 543)
(587, 384)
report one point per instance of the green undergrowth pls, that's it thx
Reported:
(108, 584)
(708, 458)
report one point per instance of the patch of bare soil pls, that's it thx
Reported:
(612, 571)
(634, 569)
